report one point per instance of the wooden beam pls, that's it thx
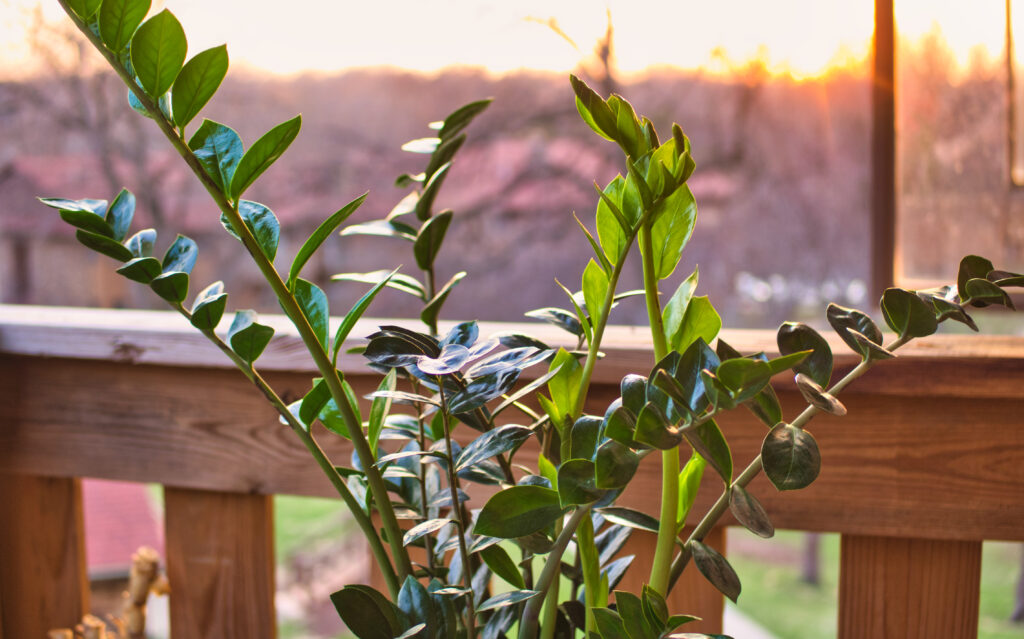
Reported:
(43, 581)
(908, 588)
(883, 150)
(220, 564)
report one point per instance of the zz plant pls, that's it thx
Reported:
(440, 418)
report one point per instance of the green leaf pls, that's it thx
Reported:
(971, 267)
(247, 337)
(171, 285)
(357, 310)
(460, 118)
(700, 321)
(391, 279)
(262, 154)
(982, 293)
(576, 482)
(564, 386)
(744, 377)
(320, 235)
(766, 407)
(313, 303)
(218, 148)
(379, 409)
(794, 337)
(502, 565)
(847, 320)
(610, 624)
(715, 569)
(141, 244)
(689, 483)
(433, 307)
(631, 609)
(594, 110)
(118, 20)
(817, 397)
(141, 269)
(314, 402)
(673, 225)
(120, 213)
(507, 599)
(615, 465)
(416, 602)
(630, 518)
(654, 428)
(675, 310)
(749, 512)
(103, 244)
(709, 442)
(558, 317)
(181, 255)
(84, 9)
(367, 613)
(583, 437)
(518, 511)
(595, 288)
(88, 221)
(208, 307)
(262, 224)
(613, 230)
(790, 457)
(158, 52)
(424, 528)
(196, 84)
(907, 314)
(429, 239)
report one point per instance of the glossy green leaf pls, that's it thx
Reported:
(84, 9)
(88, 221)
(483, 389)
(655, 607)
(581, 316)
(141, 269)
(673, 225)
(460, 118)
(379, 409)
(314, 402)
(507, 599)
(700, 321)
(697, 357)
(654, 428)
(263, 153)
(615, 465)
(945, 309)
(907, 314)
(790, 457)
(429, 239)
(424, 205)
(628, 132)
(394, 280)
(218, 148)
(610, 624)
(845, 320)
(320, 235)
(564, 386)
(313, 303)
(247, 337)
(424, 528)
(675, 309)
(766, 407)
(689, 483)
(620, 424)
(709, 442)
(982, 293)
(433, 307)
(118, 20)
(357, 310)
(595, 289)
(594, 110)
(715, 569)
(196, 84)
(744, 377)
(367, 615)
(629, 517)
(817, 397)
(158, 52)
(583, 437)
(576, 482)
(971, 267)
(171, 286)
(748, 511)
(631, 609)
(417, 604)
(119, 214)
(558, 317)
(518, 511)
(86, 205)
(613, 230)
(141, 244)
(103, 244)
(502, 565)
(208, 307)
(794, 337)
(263, 225)
(181, 255)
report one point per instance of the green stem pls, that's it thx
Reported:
(590, 565)
(665, 545)
(751, 471)
(287, 300)
(552, 566)
(460, 522)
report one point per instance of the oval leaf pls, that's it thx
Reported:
(790, 457)
(247, 337)
(518, 511)
(118, 21)
(218, 148)
(716, 569)
(749, 512)
(907, 314)
(794, 337)
(197, 82)
(313, 303)
(158, 52)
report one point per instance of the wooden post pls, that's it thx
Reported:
(693, 595)
(43, 581)
(220, 564)
(883, 150)
(893, 588)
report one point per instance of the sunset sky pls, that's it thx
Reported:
(803, 37)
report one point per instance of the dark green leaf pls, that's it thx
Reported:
(461, 118)
(766, 407)
(482, 390)
(425, 528)
(716, 569)
(218, 148)
(247, 337)
(429, 239)
(907, 314)
(971, 267)
(790, 457)
(357, 310)
(749, 512)
(526, 390)
(119, 214)
(629, 517)
(945, 309)
(313, 303)
(982, 293)
(379, 410)
(794, 337)
(518, 511)
(103, 244)
(314, 402)
(583, 437)
(615, 465)
(141, 244)
(367, 613)
(158, 52)
(632, 611)
(433, 307)
(844, 320)
(655, 607)
(654, 428)
(609, 623)
(502, 565)
(197, 82)
(96, 207)
(606, 266)
(141, 269)
(493, 442)
(88, 221)
(181, 255)
(709, 442)
(507, 599)
(171, 285)
(558, 317)
(675, 310)
(673, 226)
(118, 21)
(744, 377)
(262, 223)
(208, 307)
(817, 397)
(263, 153)
(84, 9)
(417, 604)
(633, 389)
(436, 179)
(576, 482)
(321, 234)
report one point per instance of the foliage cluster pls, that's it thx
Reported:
(451, 570)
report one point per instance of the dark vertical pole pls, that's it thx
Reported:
(883, 150)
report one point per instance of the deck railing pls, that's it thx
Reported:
(928, 464)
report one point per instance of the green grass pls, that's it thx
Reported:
(774, 596)
(299, 521)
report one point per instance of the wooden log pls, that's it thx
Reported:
(908, 588)
(43, 581)
(220, 564)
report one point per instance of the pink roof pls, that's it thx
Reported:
(119, 517)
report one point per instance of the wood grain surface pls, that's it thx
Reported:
(220, 564)
(42, 555)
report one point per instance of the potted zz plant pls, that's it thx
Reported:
(452, 566)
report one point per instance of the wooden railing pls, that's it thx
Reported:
(928, 463)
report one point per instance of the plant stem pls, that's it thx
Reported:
(590, 565)
(288, 302)
(665, 544)
(460, 522)
(751, 471)
(552, 568)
